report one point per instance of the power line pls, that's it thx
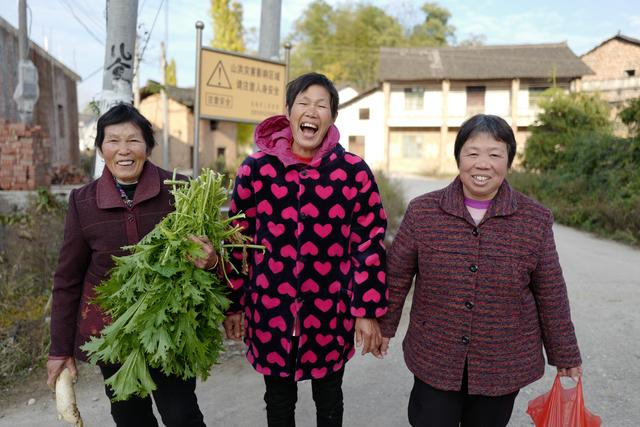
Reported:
(149, 35)
(70, 9)
(92, 74)
(98, 24)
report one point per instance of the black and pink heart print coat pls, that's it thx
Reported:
(323, 225)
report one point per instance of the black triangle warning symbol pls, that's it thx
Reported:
(219, 77)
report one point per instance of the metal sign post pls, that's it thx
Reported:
(196, 107)
(287, 62)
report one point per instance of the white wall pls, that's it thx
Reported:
(349, 124)
(347, 94)
(498, 102)
(457, 103)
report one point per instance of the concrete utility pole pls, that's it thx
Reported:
(196, 102)
(26, 93)
(165, 109)
(136, 75)
(270, 16)
(122, 16)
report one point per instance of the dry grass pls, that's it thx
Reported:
(28, 256)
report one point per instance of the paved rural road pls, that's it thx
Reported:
(604, 287)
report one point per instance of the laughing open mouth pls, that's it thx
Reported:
(308, 129)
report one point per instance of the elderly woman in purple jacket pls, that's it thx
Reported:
(317, 210)
(116, 210)
(489, 291)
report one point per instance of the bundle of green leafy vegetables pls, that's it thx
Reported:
(166, 312)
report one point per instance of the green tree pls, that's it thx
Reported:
(312, 39)
(228, 34)
(170, 73)
(344, 42)
(435, 31)
(565, 117)
(227, 25)
(630, 116)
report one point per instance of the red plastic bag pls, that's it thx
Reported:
(562, 407)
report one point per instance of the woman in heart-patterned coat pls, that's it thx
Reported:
(317, 210)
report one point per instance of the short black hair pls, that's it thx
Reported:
(492, 125)
(302, 83)
(123, 113)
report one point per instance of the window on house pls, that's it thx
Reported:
(475, 99)
(213, 124)
(535, 93)
(364, 114)
(630, 73)
(61, 121)
(356, 144)
(411, 146)
(220, 162)
(413, 98)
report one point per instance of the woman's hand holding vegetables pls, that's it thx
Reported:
(210, 260)
(234, 326)
(55, 367)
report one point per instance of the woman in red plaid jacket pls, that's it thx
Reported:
(489, 290)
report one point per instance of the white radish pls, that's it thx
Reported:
(66, 399)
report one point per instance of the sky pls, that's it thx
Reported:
(75, 29)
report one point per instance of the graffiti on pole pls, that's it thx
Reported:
(122, 61)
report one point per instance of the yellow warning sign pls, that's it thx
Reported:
(240, 88)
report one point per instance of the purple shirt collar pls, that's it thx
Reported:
(477, 204)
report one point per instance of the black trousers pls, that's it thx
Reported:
(175, 399)
(282, 394)
(430, 407)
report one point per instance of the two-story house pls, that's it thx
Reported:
(409, 121)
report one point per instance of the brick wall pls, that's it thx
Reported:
(24, 157)
(56, 110)
(610, 60)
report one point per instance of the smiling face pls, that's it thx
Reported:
(483, 166)
(310, 118)
(124, 151)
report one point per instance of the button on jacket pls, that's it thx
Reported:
(97, 226)
(490, 295)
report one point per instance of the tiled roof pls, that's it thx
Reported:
(480, 62)
(183, 95)
(618, 37)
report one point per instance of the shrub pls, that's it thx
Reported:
(630, 116)
(595, 188)
(565, 116)
(589, 178)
